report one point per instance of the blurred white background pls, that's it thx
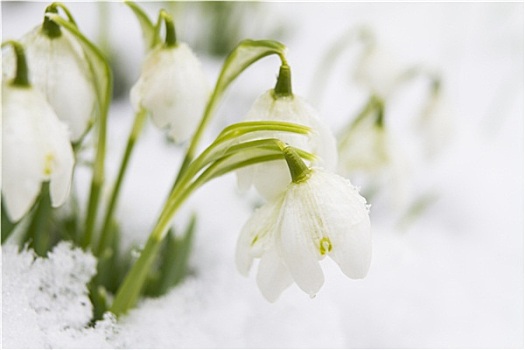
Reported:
(452, 278)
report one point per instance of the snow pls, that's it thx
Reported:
(452, 279)
(42, 297)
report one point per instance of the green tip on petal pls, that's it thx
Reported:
(50, 28)
(283, 87)
(298, 169)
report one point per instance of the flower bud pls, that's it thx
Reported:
(172, 87)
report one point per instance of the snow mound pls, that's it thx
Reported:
(44, 297)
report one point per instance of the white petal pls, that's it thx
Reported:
(173, 88)
(271, 178)
(297, 245)
(345, 220)
(353, 251)
(245, 178)
(324, 145)
(63, 158)
(273, 276)
(58, 68)
(21, 166)
(22, 151)
(257, 235)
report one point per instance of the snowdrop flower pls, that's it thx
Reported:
(35, 149)
(59, 69)
(173, 88)
(319, 214)
(365, 146)
(271, 178)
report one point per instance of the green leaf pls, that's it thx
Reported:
(150, 32)
(129, 291)
(174, 256)
(233, 134)
(239, 129)
(99, 299)
(39, 234)
(7, 225)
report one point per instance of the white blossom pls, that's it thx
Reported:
(271, 178)
(366, 147)
(173, 88)
(323, 215)
(59, 69)
(35, 148)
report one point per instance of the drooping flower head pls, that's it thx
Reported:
(172, 87)
(319, 214)
(60, 70)
(35, 148)
(271, 178)
(364, 146)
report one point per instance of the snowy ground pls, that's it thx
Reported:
(453, 279)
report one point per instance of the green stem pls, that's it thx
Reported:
(50, 28)
(283, 87)
(298, 169)
(129, 291)
(66, 11)
(103, 85)
(138, 124)
(22, 71)
(38, 231)
(171, 37)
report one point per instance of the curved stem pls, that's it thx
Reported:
(235, 64)
(22, 71)
(171, 37)
(66, 11)
(129, 291)
(103, 81)
(138, 124)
